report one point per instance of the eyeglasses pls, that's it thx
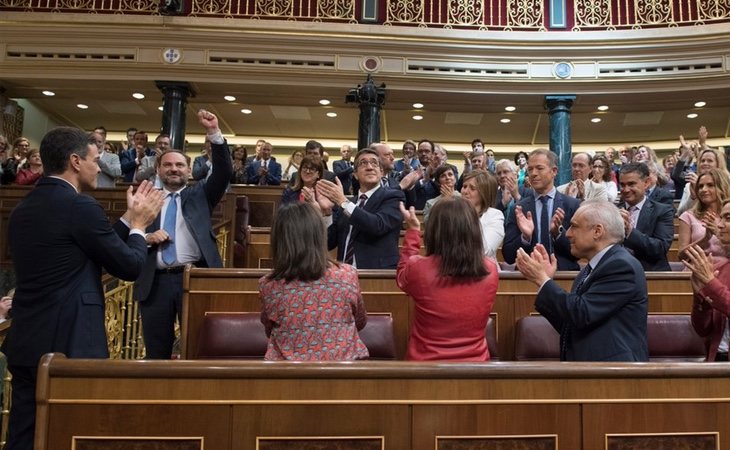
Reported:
(368, 162)
(308, 169)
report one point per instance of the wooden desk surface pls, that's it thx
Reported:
(380, 405)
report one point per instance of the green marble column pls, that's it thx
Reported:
(558, 107)
(175, 101)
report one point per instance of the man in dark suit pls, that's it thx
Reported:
(264, 171)
(366, 229)
(603, 317)
(653, 190)
(649, 225)
(418, 186)
(131, 158)
(542, 217)
(181, 235)
(344, 169)
(60, 240)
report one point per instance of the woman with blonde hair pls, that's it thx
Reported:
(311, 306)
(698, 226)
(294, 162)
(709, 158)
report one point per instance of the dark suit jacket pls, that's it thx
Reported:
(605, 320)
(561, 246)
(128, 162)
(273, 177)
(59, 241)
(662, 195)
(375, 230)
(420, 194)
(343, 170)
(197, 203)
(653, 235)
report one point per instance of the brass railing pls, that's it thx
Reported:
(500, 15)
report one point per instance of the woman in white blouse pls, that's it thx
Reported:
(480, 190)
(601, 174)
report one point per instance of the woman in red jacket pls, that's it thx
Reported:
(453, 286)
(711, 285)
(33, 170)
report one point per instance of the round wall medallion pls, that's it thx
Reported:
(370, 64)
(171, 55)
(563, 69)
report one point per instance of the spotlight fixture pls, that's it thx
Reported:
(692, 115)
(505, 120)
(603, 108)
(246, 111)
(160, 108)
(49, 93)
(700, 104)
(324, 102)
(82, 106)
(596, 119)
(418, 105)
(138, 96)
(331, 114)
(417, 117)
(510, 108)
(229, 98)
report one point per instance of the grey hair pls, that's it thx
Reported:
(606, 214)
(508, 163)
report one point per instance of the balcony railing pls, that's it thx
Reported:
(485, 15)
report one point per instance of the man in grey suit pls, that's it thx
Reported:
(603, 317)
(181, 235)
(109, 164)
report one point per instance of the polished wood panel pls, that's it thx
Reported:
(231, 404)
(232, 290)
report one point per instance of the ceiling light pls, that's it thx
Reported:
(603, 108)
(596, 119)
(509, 108)
(700, 104)
(229, 98)
(692, 115)
(160, 108)
(417, 117)
(82, 106)
(324, 102)
(49, 93)
(331, 114)
(505, 120)
(246, 111)
(138, 96)
(418, 105)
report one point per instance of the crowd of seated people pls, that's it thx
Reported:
(517, 204)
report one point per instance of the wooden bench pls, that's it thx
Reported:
(235, 290)
(383, 405)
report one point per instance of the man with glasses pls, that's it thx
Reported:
(365, 229)
(582, 187)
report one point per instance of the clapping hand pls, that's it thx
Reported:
(538, 267)
(410, 217)
(701, 266)
(524, 223)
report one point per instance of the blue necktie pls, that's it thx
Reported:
(567, 330)
(169, 254)
(545, 224)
